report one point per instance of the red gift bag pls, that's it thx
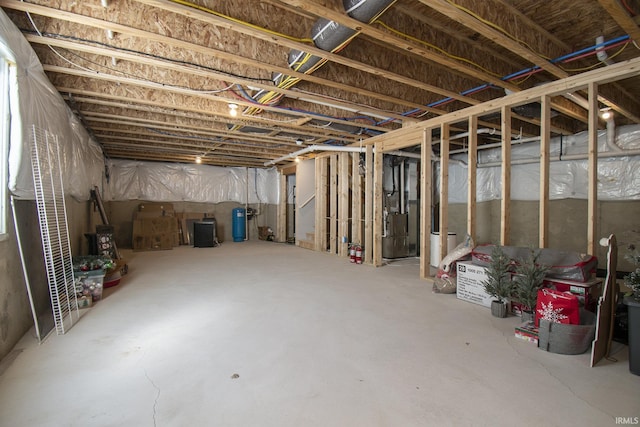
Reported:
(558, 307)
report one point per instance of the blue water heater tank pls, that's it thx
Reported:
(239, 229)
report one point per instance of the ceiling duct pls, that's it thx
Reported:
(332, 37)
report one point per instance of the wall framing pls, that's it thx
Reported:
(421, 134)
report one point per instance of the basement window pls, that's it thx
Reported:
(4, 144)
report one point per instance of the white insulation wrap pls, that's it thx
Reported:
(36, 102)
(170, 182)
(618, 169)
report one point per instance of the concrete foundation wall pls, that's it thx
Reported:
(567, 225)
(16, 317)
(120, 215)
(15, 314)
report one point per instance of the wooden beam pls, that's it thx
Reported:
(283, 41)
(321, 204)
(368, 206)
(407, 45)
(227, 56)
(209, 74)
(592, 161)
(444, 190)
(545, 144)
(505, 205)
(622, 18)
(396, 140)
(426, 172)
(377, 207)
(472, 177)
(185, 109)
(458, 15)
(174, 89)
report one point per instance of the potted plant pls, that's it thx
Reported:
(528, 280)
(498, 284)
(632, 300)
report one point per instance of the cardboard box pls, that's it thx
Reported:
(469, 283)
(587, 292)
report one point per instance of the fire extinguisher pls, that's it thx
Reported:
(352, 253)
(358, 254)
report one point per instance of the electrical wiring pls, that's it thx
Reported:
(526, 73)
(238, 21)
(436, 48)
(626, 6)
(198, 91)
(185, 88)
(54, 50)
(144, 54)
(596, 65)
(496, 27)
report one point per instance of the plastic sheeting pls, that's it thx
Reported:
(618, 177)
(36, 102)
(169, 182)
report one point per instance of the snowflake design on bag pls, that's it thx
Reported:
(551, 314)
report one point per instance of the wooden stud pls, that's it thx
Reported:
(426, 172)
(405, 137)
(505, 205)
(592, 191)
(368, 206)
(472, 178)
(545, 143)
(320, 237)
(444, 189)
(333, 203)
(377, 207)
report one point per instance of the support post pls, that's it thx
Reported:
(592, 161)
(545, 143)
(505, 204)
(425, 204)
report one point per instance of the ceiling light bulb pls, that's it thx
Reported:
(233, 109)
(299, 141)
(606, 114)
(198, 159)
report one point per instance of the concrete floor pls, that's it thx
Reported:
(266, 334)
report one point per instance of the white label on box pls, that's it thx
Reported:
(469, 284)
(576, 290)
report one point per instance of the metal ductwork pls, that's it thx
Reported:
(332, 37)
(366, 10)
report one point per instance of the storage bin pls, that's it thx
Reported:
(563, 338)
(634, 334)
(89, 283)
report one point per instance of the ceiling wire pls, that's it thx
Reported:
(271, 100)
(496, 27)
(54, 35)
(238, 21)
(434, 47)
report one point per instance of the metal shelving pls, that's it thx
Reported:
(52, 216)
